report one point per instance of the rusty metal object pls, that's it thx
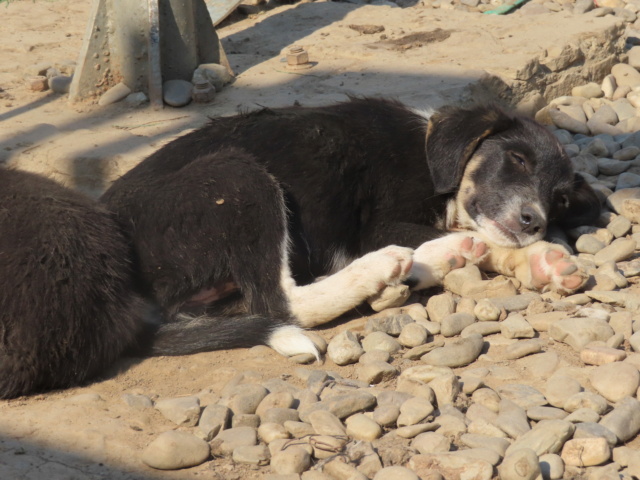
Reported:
(298, 58)
(38, 83)
(204, 92)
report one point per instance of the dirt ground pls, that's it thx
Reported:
(75, 435)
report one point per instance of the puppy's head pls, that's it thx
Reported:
(510, 176)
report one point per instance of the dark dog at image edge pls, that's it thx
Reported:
(244, 231)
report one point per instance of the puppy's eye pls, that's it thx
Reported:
(518, 158)
(564, 201)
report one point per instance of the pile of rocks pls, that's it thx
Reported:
(608, 108)
(48, 76)
(478, 381)
(625, 10)
(207, 79)
(408, 414)
(598, 126)
(405, 413)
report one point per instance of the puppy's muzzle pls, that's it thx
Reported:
(531, 221)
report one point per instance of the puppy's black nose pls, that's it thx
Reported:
(531, 221)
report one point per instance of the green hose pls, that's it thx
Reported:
(504, 9)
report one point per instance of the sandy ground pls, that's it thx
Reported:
(423, 57)
(72, 435)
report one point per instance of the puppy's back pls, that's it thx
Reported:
(67, 307)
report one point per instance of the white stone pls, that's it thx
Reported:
(182, 411)
(522, 464)
(562, 120)
(344, 348)
(624, 419)
(291, 460)
(176, 93)
(413, 335)
(174, 449)
(586, 452)
(361, 427)
(625, 75)
(414, 411)
(577, 333)
(609, 86)
(548, 436)
(395, 473)
(590, 90)
(515, 326)
(615, 381)
(114, 94)
(551, 466)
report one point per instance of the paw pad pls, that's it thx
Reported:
(556, 270)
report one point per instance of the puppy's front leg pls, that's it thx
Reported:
(539, 266)
(326, 299)
(434, 259)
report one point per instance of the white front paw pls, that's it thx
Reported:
(552, 268)
(434, 259)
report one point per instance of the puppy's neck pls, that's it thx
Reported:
(450, 220)
(456, 218)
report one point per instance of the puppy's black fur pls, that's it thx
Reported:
(205, 228)
(71, 300)
(68, 305)
(355, 177)
(175, 224)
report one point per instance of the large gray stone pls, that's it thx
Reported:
(457, 354)
(342, 406)
(451, 466)
(615, 200)
(559, 388)
(344, 348)
(228, 440)
(522, 464)
(615, 381)
(625, 75)
(523, 395)
(578, 332)
(548, 436)
(608, 166)
(176, 93)
(174, 449)
(182, 411)
(624, 419)
(453, 324)
(213, 420)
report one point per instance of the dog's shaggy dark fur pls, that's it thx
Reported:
(210, 232)
(68, 306)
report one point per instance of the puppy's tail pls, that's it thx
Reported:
(193, 334)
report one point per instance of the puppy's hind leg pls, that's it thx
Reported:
(218, 221)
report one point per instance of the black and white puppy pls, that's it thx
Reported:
(253, 226)
(236, 240)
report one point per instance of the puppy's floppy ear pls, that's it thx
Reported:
(453, 134)
(584, 205)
